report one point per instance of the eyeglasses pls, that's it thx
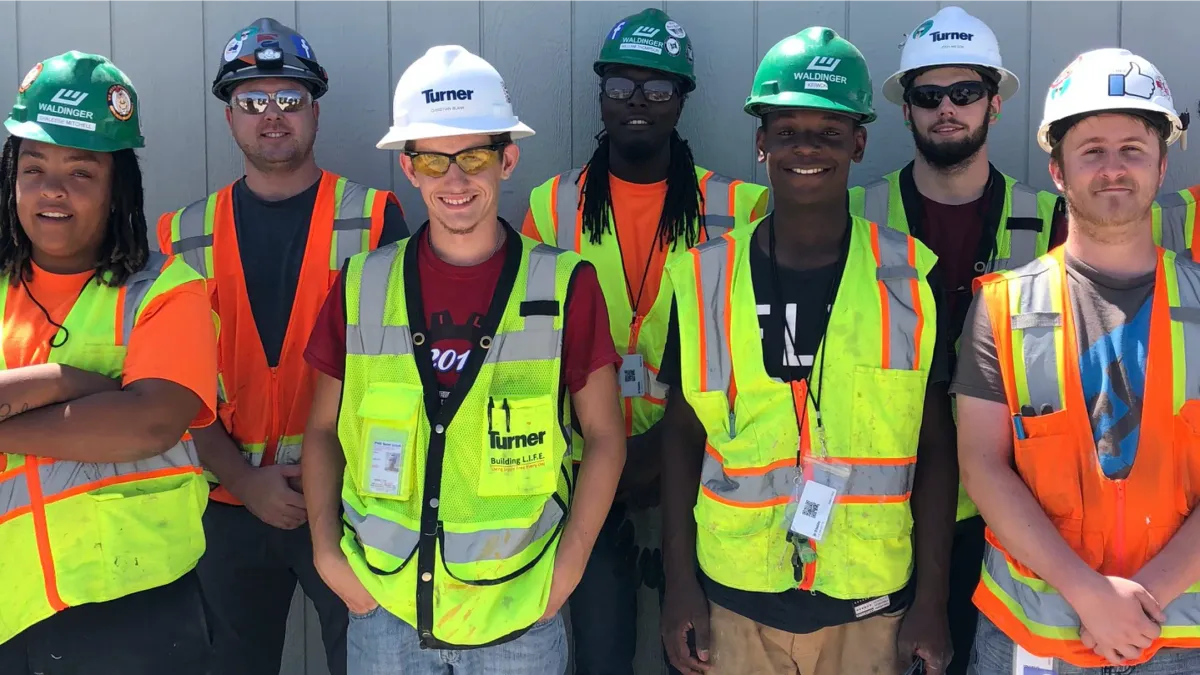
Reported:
(929, 96)
(470, 160)
(288, 100)
(623, 88)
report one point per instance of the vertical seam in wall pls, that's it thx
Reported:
(111, 47)
(1029, 99)
(847, 19)
(571, 84)
(479, 17)
(753, 69)
(17, 76)
(392, 159)
(203, 98)
(1120, 24)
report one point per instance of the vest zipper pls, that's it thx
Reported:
(1120, 533)
(272, 428)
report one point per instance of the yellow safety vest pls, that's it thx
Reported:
(728, 203)
(880, 339)
(882, 202)
(83, 532)
(1175, 221)
(460, 541)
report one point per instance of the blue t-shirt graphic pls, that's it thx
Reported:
(1113, 372)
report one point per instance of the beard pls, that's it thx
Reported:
(949, 155)
(1107, 219)
(640, 150)
(276, 158)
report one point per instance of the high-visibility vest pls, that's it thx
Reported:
(82, 532)
(1115, 526)
(880, 344)
(463, 548)
(1174, 217)
(265, 409)
(728, 203)
(1032, 213)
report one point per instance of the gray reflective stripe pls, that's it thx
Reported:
(1187, 314)
(288, 453)
(368, 335)
(541, 272)
(353, 204)
(715, 226)
(566, 206)
(525, 345)
(459, 547)
(194, 239)
(1174, 223)
(1045, 608)
(1039, 349)
(349, 222)
(253, 458)
(880, 480)
(896, 273)
(14, 494)
(718, 208)
(1022, 244)
(136, 289)
(718, 363)
(875, 203)
(59, 477)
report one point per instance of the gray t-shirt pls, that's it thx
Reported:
(1112, 319)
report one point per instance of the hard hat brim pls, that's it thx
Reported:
(1126, 107)
(802, 100)
(396, 137)
(67, 137)
(1009, 84)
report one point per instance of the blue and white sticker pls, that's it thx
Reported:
(302, 47)
(675, 30)
(233, 48)
(616, 30)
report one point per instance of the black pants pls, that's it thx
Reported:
(966, 561)
(162, 631)
(249, 575)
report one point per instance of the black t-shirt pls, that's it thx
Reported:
(806, 293)
(272, 237)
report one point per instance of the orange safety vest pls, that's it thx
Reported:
(1115, 526)
(265, 409)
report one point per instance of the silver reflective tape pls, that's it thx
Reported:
(14, 493)
(1174, 222)
(368, 333)
(525, 345)
(192, 243)
(716, 196)
(195, 236)
(374, 340)
(382, 535)
(864, 481)
(896, 274)
(717, 225)
(354, 224)
(61, 476)
(1028, 320)
(1022, 247)
(1047, 609)
(876, 199)
(500, 544)
(136, 288)
(540, 275)
(354, 198)
(345, 245)
(288, 453)
(1187, 313)
(718, 362)
(1039, 351)
(567, 205)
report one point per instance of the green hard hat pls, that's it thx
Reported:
(80, 101)
(649, 39)
(815, 68)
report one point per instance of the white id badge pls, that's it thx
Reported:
(387, 462)
(1025, 663)
(633, 376)
(823, 481)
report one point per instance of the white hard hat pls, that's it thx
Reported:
(450, 92)
(1107, 79)
(950, 38)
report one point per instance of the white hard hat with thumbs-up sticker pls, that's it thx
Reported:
(1108, 79)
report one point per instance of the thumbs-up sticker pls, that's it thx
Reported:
(1132, 83)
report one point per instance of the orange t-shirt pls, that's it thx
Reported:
(174, 339)
(636, 210)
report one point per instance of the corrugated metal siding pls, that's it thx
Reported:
(545, 51)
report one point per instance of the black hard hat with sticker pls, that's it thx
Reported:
(267, 48)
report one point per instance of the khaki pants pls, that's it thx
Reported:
(743, 647)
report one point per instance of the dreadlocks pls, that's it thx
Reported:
(682, 215)
(125, 248)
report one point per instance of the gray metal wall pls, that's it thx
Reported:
(545, 50)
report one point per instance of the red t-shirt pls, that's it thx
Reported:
(455, 299)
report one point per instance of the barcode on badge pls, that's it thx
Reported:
(810, 509)
(630, 376)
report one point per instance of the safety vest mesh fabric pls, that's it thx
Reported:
(881, 202)
(1174, 217)
(880, 342)
(1115, 526)
(728, 203)
(497, 534)
(77, 532)
(265, 409)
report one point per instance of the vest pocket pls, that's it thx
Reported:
(389, 436)
(1048, 460)
(519, 458)
(886, 412)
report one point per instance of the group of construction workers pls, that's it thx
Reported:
(280, 391)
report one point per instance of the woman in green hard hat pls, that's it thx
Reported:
(107, 356)
(764, 317)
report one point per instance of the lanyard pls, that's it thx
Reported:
(813, 394)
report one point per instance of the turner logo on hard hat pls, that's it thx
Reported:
(960, 40)
(450, 92)
(649, 39)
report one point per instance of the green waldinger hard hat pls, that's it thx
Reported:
(815, 68)
(649, 39)
(80, 101)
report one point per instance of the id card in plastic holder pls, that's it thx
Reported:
(823, 481)
(386, 467)
(1025, 663)
(633, 376)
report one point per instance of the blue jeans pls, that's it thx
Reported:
(378, 643)
(993, 655)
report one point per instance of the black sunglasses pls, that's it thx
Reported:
(929, 96)
(623, 88)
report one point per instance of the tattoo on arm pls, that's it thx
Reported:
(6, 410)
